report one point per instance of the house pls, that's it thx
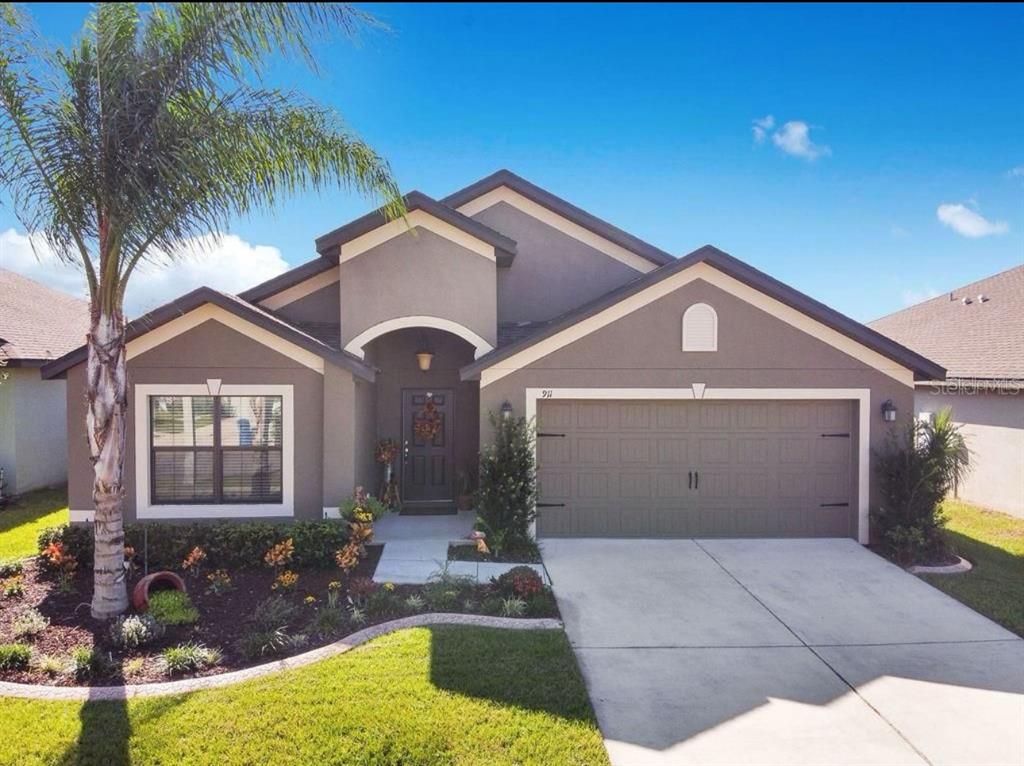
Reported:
(977, 333)
(37, 325)
(673, 396)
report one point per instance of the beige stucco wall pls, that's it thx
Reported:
(349, 435)
(993, 427)
(755, 350)
(210, 350)
(552, 272)
(319, 306)
(418, 273)
(33, 437)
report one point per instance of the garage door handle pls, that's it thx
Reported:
(550, 505)
(689, 480)
(834, 505)
(696, 479)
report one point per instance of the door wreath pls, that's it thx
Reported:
(427, 423)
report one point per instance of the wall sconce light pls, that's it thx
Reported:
(506, 409)
(424, 358)
(888, 411)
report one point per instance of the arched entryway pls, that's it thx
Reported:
(432, 414)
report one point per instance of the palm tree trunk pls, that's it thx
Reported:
(107, 397)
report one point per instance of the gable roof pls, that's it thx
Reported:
(922, 368)
(38, 323)
(235, 305)
(290, 278)
(973, 336)
(561, 207)
(504, 248)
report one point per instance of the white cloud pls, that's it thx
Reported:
(1017, 172)
(228, 263)
(795, 138)
(911, 297)
(761, 127)
(967, 222)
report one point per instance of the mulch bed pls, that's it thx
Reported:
(470, 553)
(223, 620)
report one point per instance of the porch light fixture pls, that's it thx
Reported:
(888, 411)
(506, 409)
(424, 358)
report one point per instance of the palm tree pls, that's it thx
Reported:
(152, 128)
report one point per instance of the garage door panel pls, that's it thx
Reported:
(765, 469)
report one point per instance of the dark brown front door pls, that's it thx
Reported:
(427, 462)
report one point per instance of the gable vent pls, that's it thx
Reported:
(700, 328)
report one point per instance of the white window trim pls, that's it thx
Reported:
(699, 391)
(302, 289)
(144, 509)
(714, 327)
(421, 219)
(357, 344)
(559, 223)
(712, 276)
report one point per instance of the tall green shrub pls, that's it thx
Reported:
(917, 468)
(508, 483)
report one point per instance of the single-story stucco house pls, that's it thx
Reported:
(674, 397)
(37, 325)
(977, 333)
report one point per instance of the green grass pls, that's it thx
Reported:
(21, 521)
(445, 695)
(994, 543)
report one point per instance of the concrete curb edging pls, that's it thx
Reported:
(963, 565)
(90, 693)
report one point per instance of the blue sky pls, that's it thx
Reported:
(644, 115)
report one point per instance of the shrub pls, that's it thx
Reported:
(273, 613)
(220, 582)
(86, 662)
(522, 581)
(508, 483)
(414, 603)
(172, 607)
(541, 604)
(133, 667)
(227, 545)
(491, 605)
(443, 591)
(326, 622)
(14, 587)
(361, 589)
(917, 468)
(29, 624)
(188, 658)
(194, 562)
(47, 664)
(267, 643)
(356, 615)
(14, 656)
(369, 504)
(280, 555)
(513, 607)
(135, 630)
(384, 602)
(10, 569)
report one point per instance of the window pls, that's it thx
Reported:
(215, 449)
(700, 328)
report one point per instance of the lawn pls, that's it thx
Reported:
(22, 520)
(994, 543)
(444, 695)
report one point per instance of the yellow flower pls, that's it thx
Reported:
(389, 586)
(310, 599)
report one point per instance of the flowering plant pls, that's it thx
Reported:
(285, 581)
(193, 563)
(386, 451)
(281, 554)
(220, 582)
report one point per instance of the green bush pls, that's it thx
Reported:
(14, 656)
(917, 468)
(326, 622)
(521, 581)
(228, 545)
(371, 504)
(273, 613)
(508, 483)
(29, 624)
(86, 662)
(135, 630)
(172, 607)
(10, 569)
(268, 643)
(188, 658)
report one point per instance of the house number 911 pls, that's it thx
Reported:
(546, 393)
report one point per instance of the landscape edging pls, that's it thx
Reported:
(963, 565)
(186, 685)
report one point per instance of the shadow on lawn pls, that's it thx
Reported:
(535, 670)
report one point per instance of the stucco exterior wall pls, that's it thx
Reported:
(755, 350)
(320, 306)
(552, 272)
(210, 350)
(349, 436)
(993, 427)
(418, 273)
(33, 438)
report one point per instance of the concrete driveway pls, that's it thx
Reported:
(783, 652)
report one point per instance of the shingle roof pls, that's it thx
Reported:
(38, 323)
(975, 331)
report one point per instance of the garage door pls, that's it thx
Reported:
(696, 469)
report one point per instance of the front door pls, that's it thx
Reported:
(427, 454)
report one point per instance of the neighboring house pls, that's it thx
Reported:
(977, 333)
(37, 325)
(674, 397)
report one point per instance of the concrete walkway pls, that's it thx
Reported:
(783, 652)
(416, 548)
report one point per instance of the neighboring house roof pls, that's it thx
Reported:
(38, 323)
(235, 305)
(922, 367)
(505, 248)
(561, 207)
(975, 331)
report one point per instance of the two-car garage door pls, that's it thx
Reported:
(696, 468)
